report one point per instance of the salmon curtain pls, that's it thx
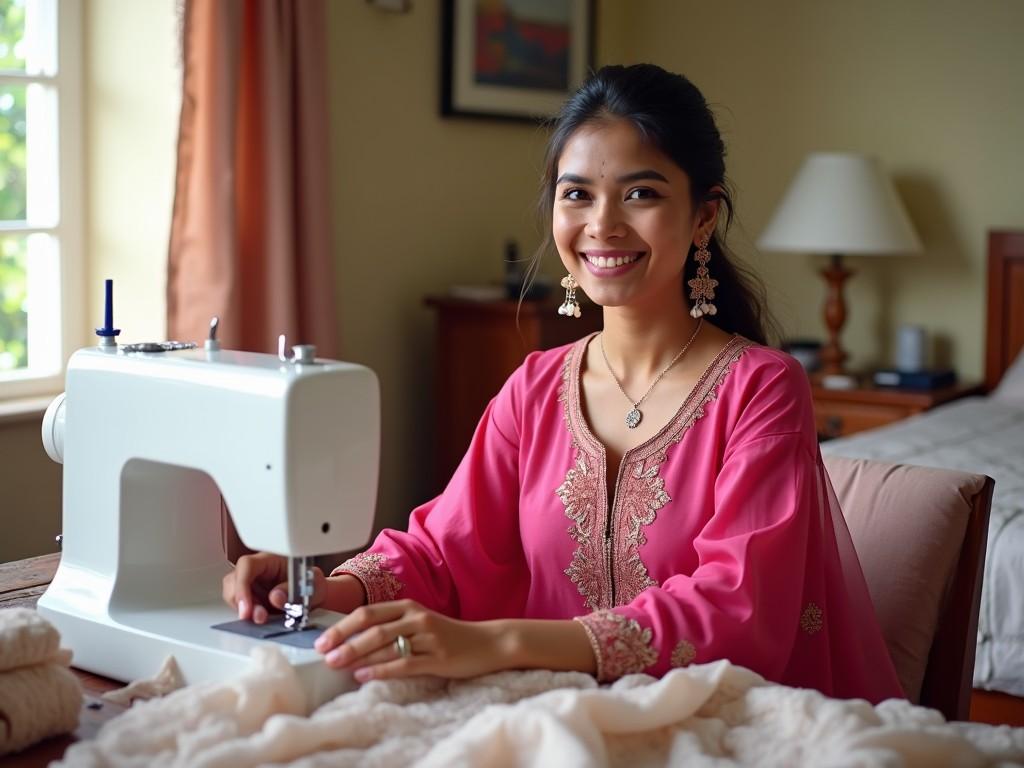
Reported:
(250, 234)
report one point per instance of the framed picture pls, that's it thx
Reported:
(513, 59)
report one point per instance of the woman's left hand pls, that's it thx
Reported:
(365, 642)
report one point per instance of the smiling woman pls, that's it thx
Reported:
(663, 134)
(700, 527)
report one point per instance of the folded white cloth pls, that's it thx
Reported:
(703, 715)
(39, 695)
(37, 702)
(26, 638)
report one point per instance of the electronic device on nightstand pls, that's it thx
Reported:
(152, 436)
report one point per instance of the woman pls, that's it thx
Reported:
(646, 498)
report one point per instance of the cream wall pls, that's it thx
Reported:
(933, 87)
(132, 100)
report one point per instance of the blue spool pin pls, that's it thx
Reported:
(108, 331)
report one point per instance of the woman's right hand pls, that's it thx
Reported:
(260, 582)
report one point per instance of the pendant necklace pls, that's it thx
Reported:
(634, 417)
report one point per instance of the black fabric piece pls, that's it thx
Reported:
(275, 631)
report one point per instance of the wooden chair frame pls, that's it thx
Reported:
(949, 674)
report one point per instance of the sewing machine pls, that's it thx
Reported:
(152, 437)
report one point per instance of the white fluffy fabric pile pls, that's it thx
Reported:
(704, 715)
(39, 695)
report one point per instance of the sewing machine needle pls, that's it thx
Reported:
(300, 589)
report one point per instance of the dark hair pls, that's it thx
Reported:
(670, 113)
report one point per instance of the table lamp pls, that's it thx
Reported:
(839, 203)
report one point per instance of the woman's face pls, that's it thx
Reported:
(623, 220)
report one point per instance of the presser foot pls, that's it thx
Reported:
(296, 616)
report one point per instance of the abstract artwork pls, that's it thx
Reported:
(515, 59)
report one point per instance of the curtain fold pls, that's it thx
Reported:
(251, 233)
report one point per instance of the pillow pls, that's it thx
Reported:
(1011, 386)
(907, 524)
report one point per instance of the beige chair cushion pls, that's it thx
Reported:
(907, 524)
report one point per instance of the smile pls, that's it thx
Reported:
(610, 263)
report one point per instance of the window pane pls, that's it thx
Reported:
(12, 35)
(28, 36)
(43, 304)
(30, 307)
(13, 153)
(13, 302)
(28, 155)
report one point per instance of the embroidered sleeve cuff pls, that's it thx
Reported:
(377, 579)
(621, 646)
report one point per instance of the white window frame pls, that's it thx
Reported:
(69, 229)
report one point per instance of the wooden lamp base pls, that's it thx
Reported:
(833, 356)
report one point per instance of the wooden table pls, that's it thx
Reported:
(21, 584)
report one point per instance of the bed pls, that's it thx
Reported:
(983, 435)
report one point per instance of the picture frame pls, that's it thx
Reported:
(513, 59)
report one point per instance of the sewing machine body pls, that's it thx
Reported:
(151, 443)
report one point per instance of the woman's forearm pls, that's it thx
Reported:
(544, 644)
(344, 594)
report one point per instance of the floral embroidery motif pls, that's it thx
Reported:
(683, 654)
(609, 576)
(621, 646)
(643, 493)
(581, 496)
(812, 619)
(371, 569)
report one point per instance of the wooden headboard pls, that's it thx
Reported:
(1004, 332)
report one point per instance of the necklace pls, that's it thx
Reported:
(634, 417)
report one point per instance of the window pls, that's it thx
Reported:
(40, 192)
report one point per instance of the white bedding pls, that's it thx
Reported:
(981, 435)
(704, 715)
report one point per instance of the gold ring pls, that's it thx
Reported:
(403, 646)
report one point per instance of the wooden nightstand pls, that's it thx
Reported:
(840, 412)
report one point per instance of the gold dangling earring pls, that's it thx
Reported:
(570, 307)
(702, 287)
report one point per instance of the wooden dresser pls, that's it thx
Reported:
(840, 412)
(478, 346)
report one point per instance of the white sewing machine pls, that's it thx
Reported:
(150, 442)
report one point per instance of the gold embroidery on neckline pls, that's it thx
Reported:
(580, 493)
(641, 493)
(563, 393)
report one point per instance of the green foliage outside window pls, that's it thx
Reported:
(13, 284)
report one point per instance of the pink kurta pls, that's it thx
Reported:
(723, 539)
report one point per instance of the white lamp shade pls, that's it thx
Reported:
(840, 203)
